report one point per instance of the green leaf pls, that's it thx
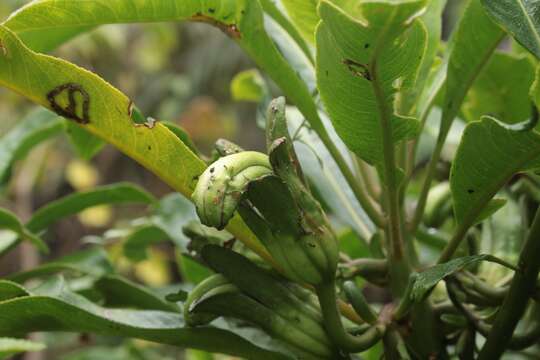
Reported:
(304, 15)
(119, 193)
(472, 43)
(154, 146)
(86, 144)
(92, 262)
(427, 279)
(489, 154)
(55, 308)
(120, 292)
(9, 221)
(501, 90)
(242, 20)
(358, 63)
(36, 127)
(520, 18)
(11, 290)
(9, 346)
(248, 85)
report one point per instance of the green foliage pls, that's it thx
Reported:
(277, 255)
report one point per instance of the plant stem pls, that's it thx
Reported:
(360, 194)
(326, 293)
(367, 175)
(399, 268)
(432, 167)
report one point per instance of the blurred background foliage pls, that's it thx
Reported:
(174, 72)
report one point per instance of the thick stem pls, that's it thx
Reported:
(521, 288)
(326, 293)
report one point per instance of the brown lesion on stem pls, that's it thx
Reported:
(358, 69)
(229, 29)
(70, 111)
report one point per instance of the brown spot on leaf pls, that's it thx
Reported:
(358, 69)
(229, 29)
(70, 111)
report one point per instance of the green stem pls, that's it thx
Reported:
(326, 293)
(359, 303)
(367, 175)
(454, 242)
(522, 286)
(360, 194)
(399, 267)
(422, 199)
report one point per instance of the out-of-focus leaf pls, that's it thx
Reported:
(171, 214)
(10, 346)
(55, 308)
(352, 245)
(86, 144)
(357, 83)
(9, 221)
(137, 242)
(248, 85)
(490, 153)
(36, 127)
(93, 262)
(472, 43)
(192, 271)
(520, 18)
(501, 90)
(428, 278)
(119, 193)
(120, 292)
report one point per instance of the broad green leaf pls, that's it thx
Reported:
(36, 127)
(358, 65)
(192, 271)
(242, 20)
(521, 18)
(304, 14)
(489, 154)
(427, 279)
(86, 144)
(472, 43)
(55, 308)
(501, 90)
(108, 110)
(92, 262)
(120, 292)
(120, 193)
(10, 346)
(9, 221)
(11, 290)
